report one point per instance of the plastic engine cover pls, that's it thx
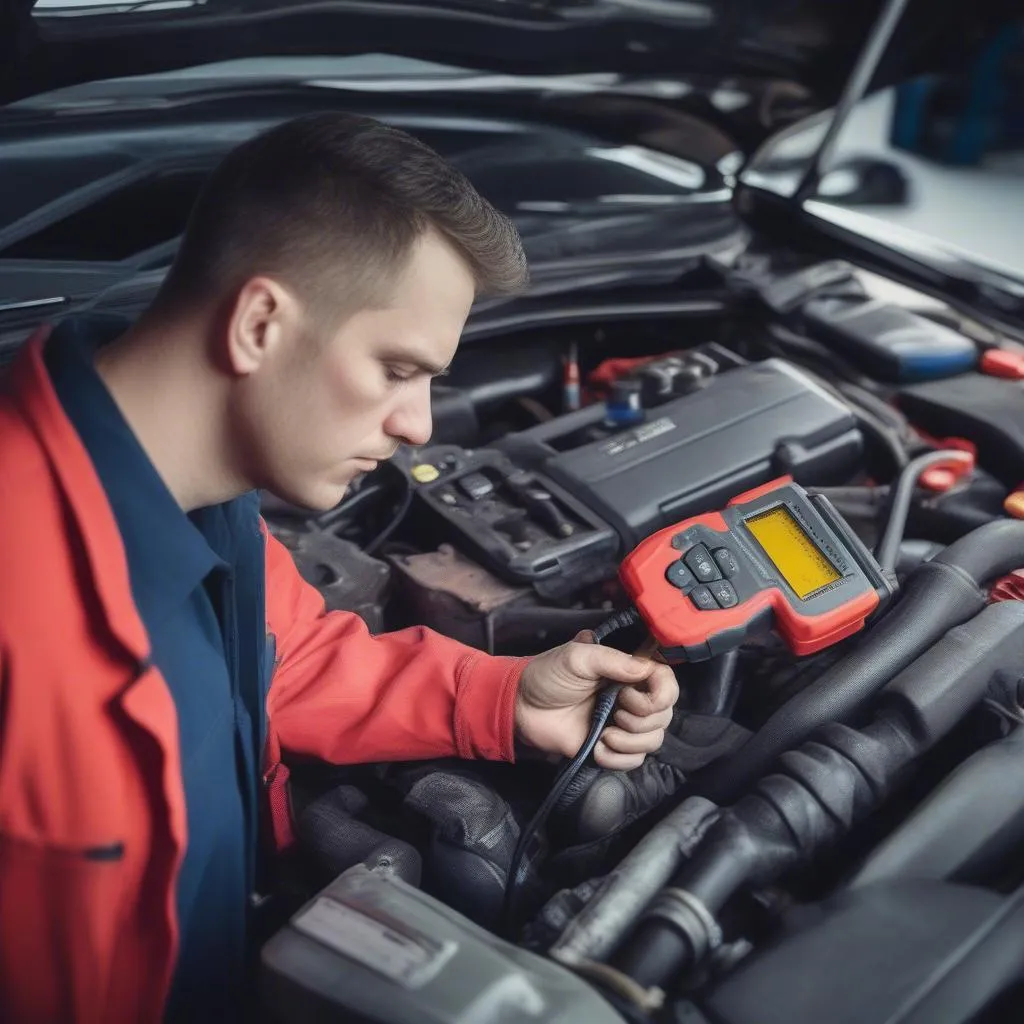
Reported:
(693, 454)
(372, 948)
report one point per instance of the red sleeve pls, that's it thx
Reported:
(345, 696)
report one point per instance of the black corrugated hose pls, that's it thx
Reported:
(937, 596)
(819, 791)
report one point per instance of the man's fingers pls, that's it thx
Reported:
(663, 688)
(659, 692)
(621, 742)
(637, 702)
(643, 723)
(615, 762)
(592, 661)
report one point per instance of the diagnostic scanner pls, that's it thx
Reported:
(776, 558)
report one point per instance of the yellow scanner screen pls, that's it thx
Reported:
(799, 561)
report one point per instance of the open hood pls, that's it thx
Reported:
(628, 63)
(56, 43)
(937, 134)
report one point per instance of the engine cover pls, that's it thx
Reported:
(692, 454)
(370, 948)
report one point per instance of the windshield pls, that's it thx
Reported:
(932, 165)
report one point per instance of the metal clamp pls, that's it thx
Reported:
(688, 915)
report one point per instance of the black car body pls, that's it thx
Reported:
(829, 838)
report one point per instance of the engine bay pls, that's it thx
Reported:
(787, 784)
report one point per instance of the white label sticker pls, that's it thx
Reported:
(395, 951)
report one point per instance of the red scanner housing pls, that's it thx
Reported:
(776, 558)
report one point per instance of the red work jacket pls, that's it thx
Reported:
(92, 806)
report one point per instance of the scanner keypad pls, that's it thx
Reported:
(703, 574)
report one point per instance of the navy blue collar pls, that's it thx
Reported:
(169, 553)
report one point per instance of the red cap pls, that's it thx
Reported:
(943, 475)
(998, 362)
(1014, 503)
(1009, 588)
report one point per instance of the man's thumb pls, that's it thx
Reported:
(584, 636)
(617, 666)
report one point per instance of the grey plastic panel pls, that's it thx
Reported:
(387, 953)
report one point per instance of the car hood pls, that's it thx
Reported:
(48, 44)
(822, 52)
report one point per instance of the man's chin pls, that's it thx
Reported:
(330, 498)
(316, 500)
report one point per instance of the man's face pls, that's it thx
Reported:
(318, 411)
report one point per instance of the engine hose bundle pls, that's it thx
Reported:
(972, 821)
(937, 595)
(603, 707)
(613, 909)
(819, 792)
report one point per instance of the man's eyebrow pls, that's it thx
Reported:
(421, 363)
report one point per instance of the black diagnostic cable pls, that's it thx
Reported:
(405, 503)
(603, 707)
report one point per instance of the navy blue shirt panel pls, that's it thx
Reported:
(197, 582)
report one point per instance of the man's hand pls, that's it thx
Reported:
(556, 700)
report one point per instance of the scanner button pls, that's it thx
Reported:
(679, 576)
(726, 562)
(702, 565)
(703, 599)
(724, 593)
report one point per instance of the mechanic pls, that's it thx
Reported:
(159, 653)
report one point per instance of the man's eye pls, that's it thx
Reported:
(395, 375)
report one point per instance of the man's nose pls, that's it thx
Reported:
(411, 421)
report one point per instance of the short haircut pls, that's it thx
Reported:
(332, 204)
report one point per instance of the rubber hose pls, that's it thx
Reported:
(819, 791)
(987, 552)
(622, 895)
(938, 595)
(901, 495)
(884, 435)
(335, 841)
(914, 552)
(965, 829)
(714, 688)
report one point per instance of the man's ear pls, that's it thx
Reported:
(258, 323)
